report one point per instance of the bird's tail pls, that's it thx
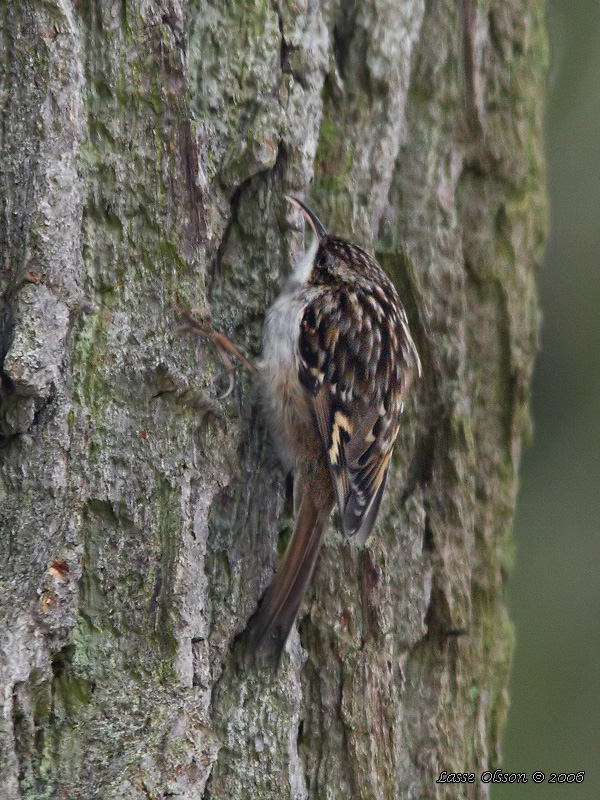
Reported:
(270, 626)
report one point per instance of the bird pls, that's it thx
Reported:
(337, 362)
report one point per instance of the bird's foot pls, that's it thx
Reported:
(223, 346)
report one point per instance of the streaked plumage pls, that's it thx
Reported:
(337, 361)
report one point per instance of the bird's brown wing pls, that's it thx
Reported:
(348, 373)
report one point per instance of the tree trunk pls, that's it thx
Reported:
(145, 149)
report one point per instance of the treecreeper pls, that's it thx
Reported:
(338, 360)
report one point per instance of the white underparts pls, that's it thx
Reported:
(279, 362)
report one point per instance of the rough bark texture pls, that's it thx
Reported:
(145, 146)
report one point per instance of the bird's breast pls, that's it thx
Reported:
(287, 404)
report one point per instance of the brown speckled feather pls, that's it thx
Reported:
(356, 374)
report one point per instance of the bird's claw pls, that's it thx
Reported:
(223, 346)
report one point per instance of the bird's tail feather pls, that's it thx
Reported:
(271, 624)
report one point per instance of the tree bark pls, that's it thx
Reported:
(145, 149)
